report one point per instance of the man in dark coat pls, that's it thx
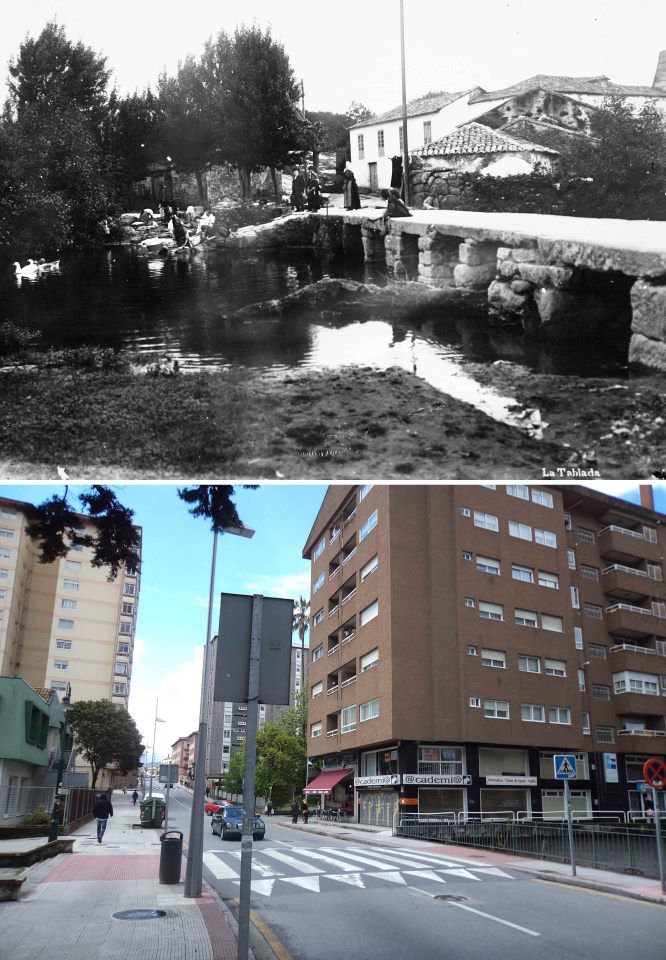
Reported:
(294, 811)
(102, 810)
(352, 199)
(298, 191)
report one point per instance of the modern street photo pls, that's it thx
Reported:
(404, 241)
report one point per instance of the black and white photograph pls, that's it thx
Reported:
(401, 239)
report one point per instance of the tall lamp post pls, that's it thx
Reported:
(194, 868)
(405, 147)
(53, 830)
(152, 768)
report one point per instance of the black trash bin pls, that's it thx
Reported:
(171, 855)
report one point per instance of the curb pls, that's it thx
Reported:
(594, 885)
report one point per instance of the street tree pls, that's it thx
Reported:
(51, 71)
(105, 734)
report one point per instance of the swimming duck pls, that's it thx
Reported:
(31, 269)
(48, 267)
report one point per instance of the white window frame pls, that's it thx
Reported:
(578, 638)
(61, 664)
(316, 729)
(318, 653)
(319, 582)
(546, 538)
(493, 658)
(543, 498)
(551, 622)
(72, 585)
(526, 662)
(369, 568)
(491, 611)
(368, 526)
(559, 713)
(575, 598)
(549, 580)
(63, 644)
(318, 617)
(66, 604)
(531, 708)
(495, 709)
(571, 558)
(486, 521)
(319, 549)
(317, 689)
(521, 531)
(369, 660)
(64, 624)
(555, 668)
(369, 706)
(369, 613)
(348, 726)
(488, 565)
(516, 568)
(523, 618)
(519, 490)
(364, 491)
(73, 564)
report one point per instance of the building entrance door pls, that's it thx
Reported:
(372, 177)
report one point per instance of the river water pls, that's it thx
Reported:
(179, 309)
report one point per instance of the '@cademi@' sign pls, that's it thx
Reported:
(437, 780)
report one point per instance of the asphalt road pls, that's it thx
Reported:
(329, 899)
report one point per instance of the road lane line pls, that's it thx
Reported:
(382, 864)
(489, 916)
(409, 859)
(219, 869)
(259, 867)
(293, 862)
(341, 864)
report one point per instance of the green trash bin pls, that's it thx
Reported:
(152, 810)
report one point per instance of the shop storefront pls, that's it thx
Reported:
(377, 799)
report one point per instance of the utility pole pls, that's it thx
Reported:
(53, 829)
(405, 148)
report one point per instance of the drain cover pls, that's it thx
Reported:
(451, 897)
(139, 914)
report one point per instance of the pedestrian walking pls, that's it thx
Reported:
(305, 810)
(102, 810)
(352, 199)
(294, 811)
(135, 797)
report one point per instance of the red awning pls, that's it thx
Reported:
(324, 782)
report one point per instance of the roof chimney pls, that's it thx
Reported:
(646, 490)
(660, 76)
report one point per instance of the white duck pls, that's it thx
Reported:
(48, 267)
(31, 269)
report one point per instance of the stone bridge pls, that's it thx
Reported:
(555, 274)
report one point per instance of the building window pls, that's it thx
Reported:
(605, 734)
(318, 617)
(550, 580)
(493, 658)
(502, 762)
(68, 604)
(555, 668)
(348, 719)
(581, 680)
(526, 574)
(364, 491)
(654, 571)
(585, 536)
(124, 648)
(361, 146)
(318, 653)
(649, 534)
(315, 729)
(496, 709)
(8, 514)
(121, 669)
(368, 710)
(528, 664)
(369, 525)
(427, 132)
(575, 598)
(559, 715)
(61, 664)
(466, 555)
(545, 537)
(120, 689)
(319, 549)
(549, 622)
(5, 554)
(596, 650)
(578, 638)
(369, 660)
(441, 761)
(470, 602)
(532, 712)
(58, 685)
(659, 609)
(70, 585)
(6, 534)
(568, 522)
(571, 559)
(486, 521)
(65, 624)
(589, 573)
(474, 702)
(73, 564)
(465, 512)
(594, 610)
(369, 613)
(472, 651)
(317, 689)
(630, 681)
(369, 568)
(586, 723)
(525, 618)
(380, 143)
(522, 531)
(542, 497)
(125, 629)
(127, 609)
(4, 574)
(129, 589)
(319, 582)
(518, 490)
(63, 644)
(491, 611)
(487, 565)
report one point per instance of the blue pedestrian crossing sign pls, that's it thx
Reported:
(565, 766)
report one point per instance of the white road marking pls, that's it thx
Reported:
(461, 872)
(410, 860)
(489, 916)
(426, 874)
(393, 875)
(306, 852)
(494, 872)
(219, 869)
(259, 867)
(262, 887)
(372, 863)
(300, 865)
(308, 883)
(353, 879)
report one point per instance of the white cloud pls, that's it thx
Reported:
(283, 585)
(140, 650)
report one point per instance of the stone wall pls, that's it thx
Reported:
(648, 325)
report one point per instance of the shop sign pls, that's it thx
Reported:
(610, 768)
(511, 781)
(387, 780)
(436, 779)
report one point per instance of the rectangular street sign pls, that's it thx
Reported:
(168, 773)
(565, 766)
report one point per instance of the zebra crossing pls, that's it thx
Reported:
(323, 869)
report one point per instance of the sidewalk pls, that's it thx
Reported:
(67, 903)
(606, 881)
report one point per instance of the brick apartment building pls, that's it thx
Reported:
(462, 635)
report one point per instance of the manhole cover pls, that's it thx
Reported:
(139, 914)
(451, 897)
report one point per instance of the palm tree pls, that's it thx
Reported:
(301, 622)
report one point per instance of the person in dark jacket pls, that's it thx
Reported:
(135, 797)
(314, 193)
(394, 205)
(294, 811)
(352, 199)
(298, 191)
(102, 810)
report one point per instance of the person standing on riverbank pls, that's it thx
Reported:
(352, 200)
(180, 232)
(298, 191)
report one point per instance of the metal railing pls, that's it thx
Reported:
(626, 732)
(619, 816)
(621, 567)
(623, 530)
(632, 648)
(623, 847)
(630, 608)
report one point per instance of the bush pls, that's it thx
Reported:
(38, 818)
(14, 338)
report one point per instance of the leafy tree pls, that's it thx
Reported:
(622, 170)
(105, 734)
(130, 136)
(301, 623)
(214, 503)
(333, 129)
(357, 113)
(51, 71)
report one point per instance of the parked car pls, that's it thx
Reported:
(212, 806)
(228, 822)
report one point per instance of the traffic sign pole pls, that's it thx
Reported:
(657, 826)
(567, 803)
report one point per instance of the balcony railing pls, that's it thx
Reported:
(623, 530)
(632, 648)
(332, 689)
(333, 573)
(441, 768)
(629, 608)
(620, 567)
(333, 649)
(345, 683)
(641, 733)
(334, 610)
(348, 556)
(332, 733)
(349, 637)
(352, 593)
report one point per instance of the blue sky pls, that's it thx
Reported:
(173, 604)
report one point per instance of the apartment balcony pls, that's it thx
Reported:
(641, 657)
(639, 704)
(641, 741)
(626, 583)
(632, 622)
(333, 725)
(619, 545)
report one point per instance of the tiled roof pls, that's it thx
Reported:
(44, 692)
(598, 85)
(476, 138)
(415, 108)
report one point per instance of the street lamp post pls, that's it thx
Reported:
(405, 146)
(152, 768)
(194, 868)
(53, 830)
